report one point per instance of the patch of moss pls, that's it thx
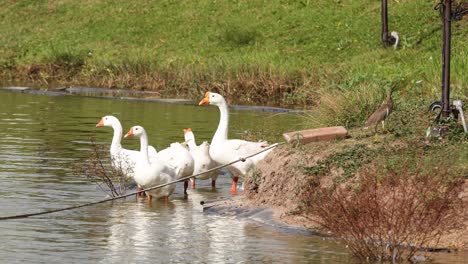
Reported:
(350, 160)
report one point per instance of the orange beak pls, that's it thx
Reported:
(187, 130)
(101, 123)
(129, 133)
(205, 100)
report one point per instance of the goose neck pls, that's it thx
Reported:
(144, 147)
(222, 131)
(191, 143)
(117, 138)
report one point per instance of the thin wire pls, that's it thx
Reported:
(243, 159)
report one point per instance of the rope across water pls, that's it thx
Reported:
(243, 159)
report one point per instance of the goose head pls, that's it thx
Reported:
(135, 131)
(107, 121)
(188, 134)
(213, 99)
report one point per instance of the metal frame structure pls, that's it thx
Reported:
(387, 39)
(447, 36)
(456, 108)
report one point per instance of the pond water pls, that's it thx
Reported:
(42, 137)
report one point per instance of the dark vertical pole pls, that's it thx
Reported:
(447, 7)
(384, 24)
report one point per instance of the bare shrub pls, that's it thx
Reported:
(96, 166)
(389, 216)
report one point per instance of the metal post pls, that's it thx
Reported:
(447, 7)
(385, 39)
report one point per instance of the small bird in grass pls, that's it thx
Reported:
(382, 113)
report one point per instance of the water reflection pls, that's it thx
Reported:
(174, 234)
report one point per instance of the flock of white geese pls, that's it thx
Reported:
(149, 168)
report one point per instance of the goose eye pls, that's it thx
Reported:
(212, 95)
(105, 118)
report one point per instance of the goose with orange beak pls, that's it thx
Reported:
(122, 159)
(224, 150)
(152, 173)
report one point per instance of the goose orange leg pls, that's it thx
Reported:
(193, 183)
(234, 184)
(166, 199)
(150, 198)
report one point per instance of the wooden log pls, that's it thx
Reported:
(317, 134)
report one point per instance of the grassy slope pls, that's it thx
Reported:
(291, 51)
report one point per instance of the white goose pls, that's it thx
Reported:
(178, 156)
(202, 158)
(224, 150)
(149, 174)
(121, 159)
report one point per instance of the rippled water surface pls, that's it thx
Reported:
(42, 137)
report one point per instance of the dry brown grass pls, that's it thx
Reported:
(249, 86)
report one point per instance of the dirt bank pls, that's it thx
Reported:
(283, 179)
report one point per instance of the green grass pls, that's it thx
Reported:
(275, 52)
(350, 160)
